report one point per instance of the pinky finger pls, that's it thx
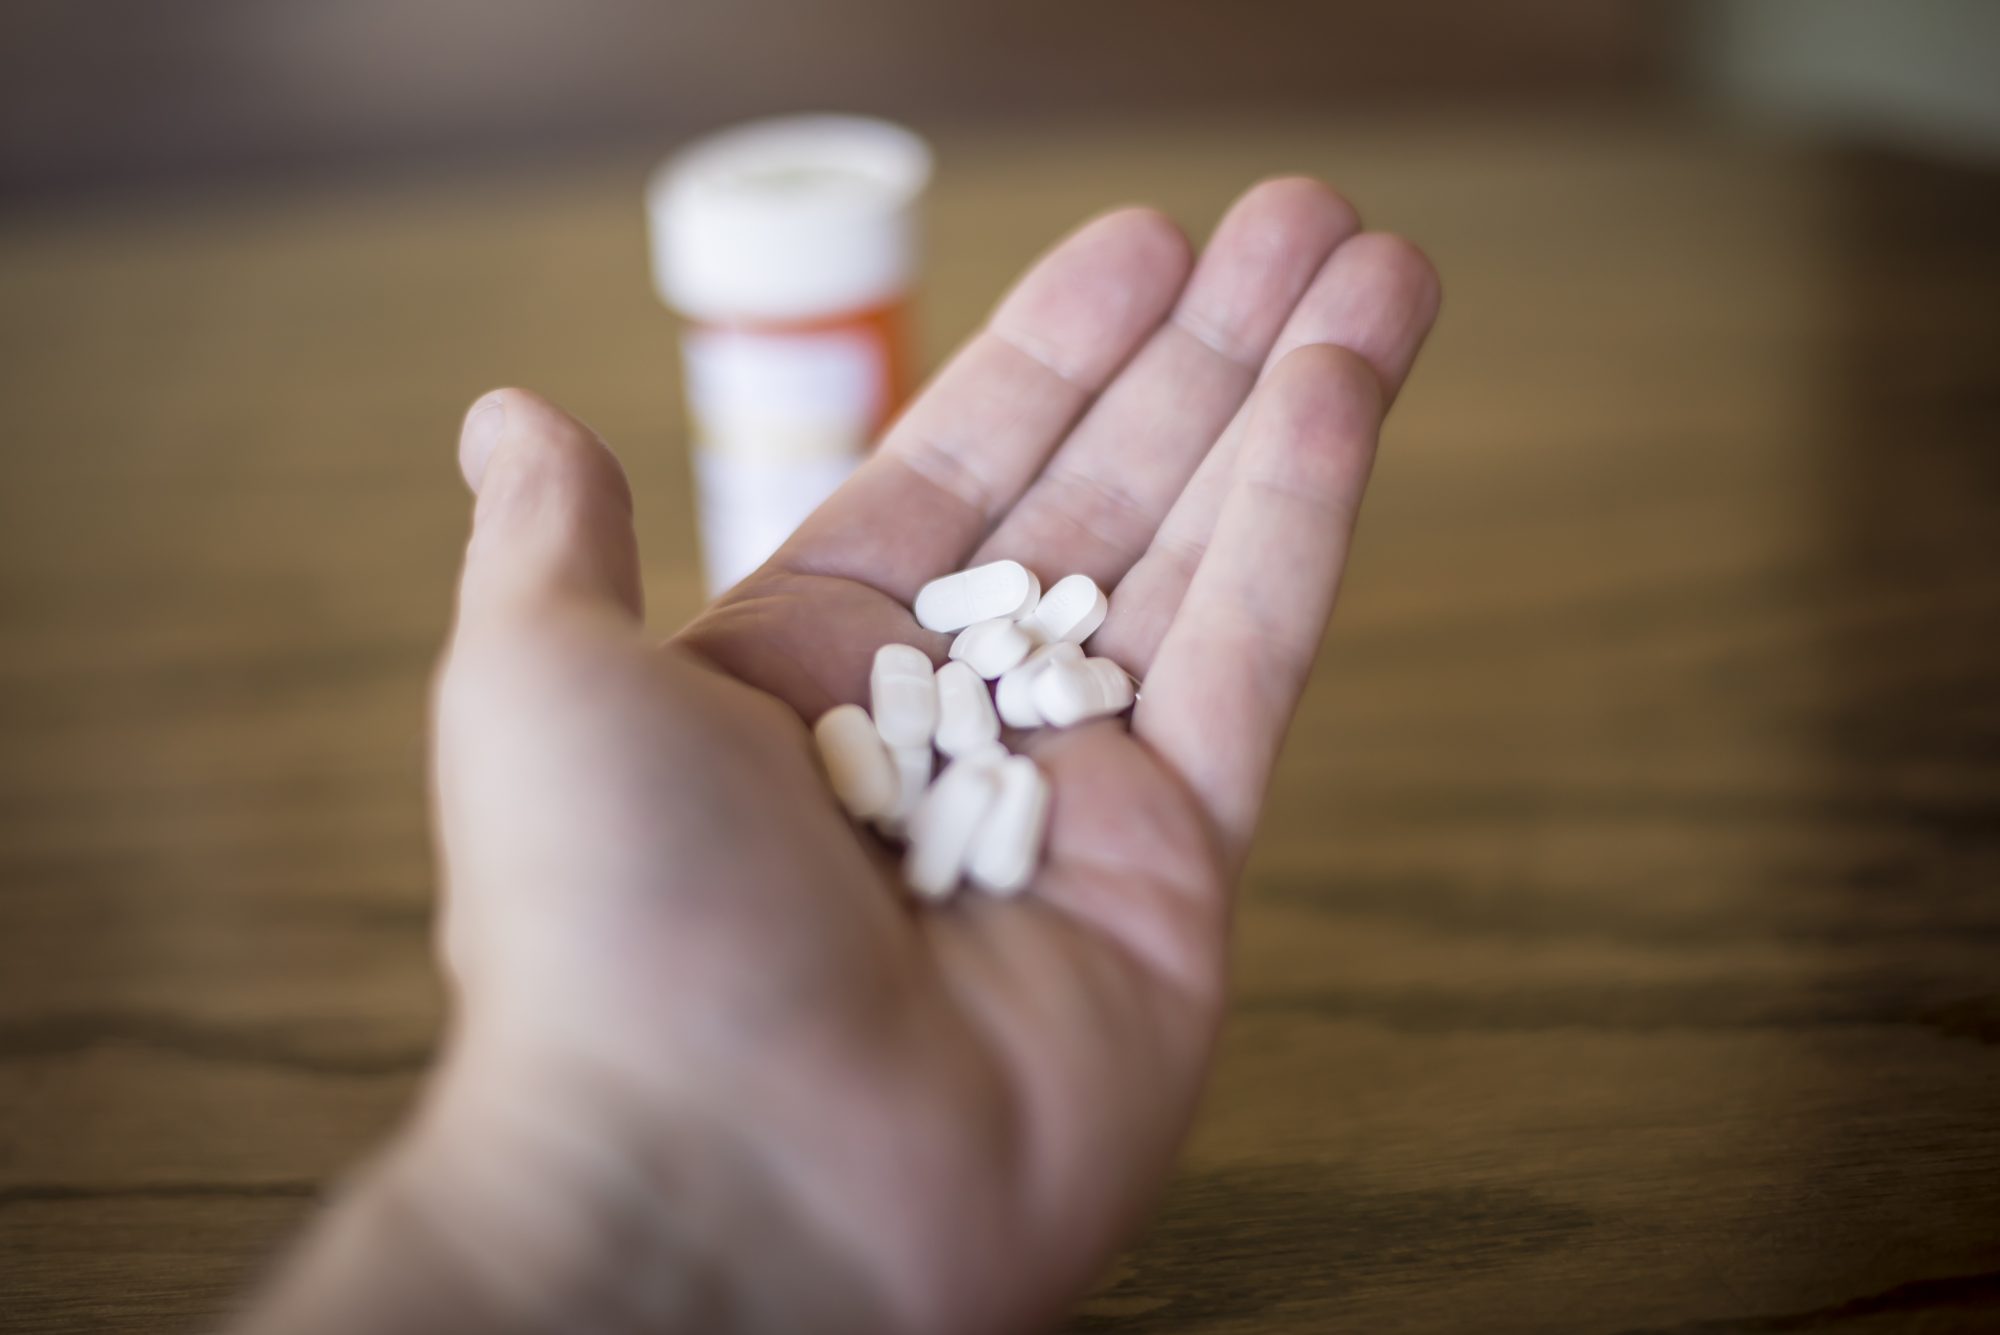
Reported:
(1234, 661)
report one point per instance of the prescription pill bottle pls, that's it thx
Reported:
(789, 249)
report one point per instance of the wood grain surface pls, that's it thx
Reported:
(1622, 952)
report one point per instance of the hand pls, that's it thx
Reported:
(710, 1065)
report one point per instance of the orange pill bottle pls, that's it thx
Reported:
(789, 249)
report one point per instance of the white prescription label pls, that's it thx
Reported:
(784, 395)
(779, 420)
(750, 506)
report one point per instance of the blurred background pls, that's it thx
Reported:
(1619, 952)
(126, 94)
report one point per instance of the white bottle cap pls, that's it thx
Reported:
(788, 219)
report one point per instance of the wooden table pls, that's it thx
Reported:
(1623, 950)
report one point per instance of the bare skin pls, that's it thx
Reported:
(710, 1068)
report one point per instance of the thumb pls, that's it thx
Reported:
(552, 523)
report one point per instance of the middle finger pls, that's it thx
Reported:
(1095, 507)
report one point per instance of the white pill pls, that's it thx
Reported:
(992, 647)
(1071, 611)
(903, 694)
(913, 775)
(982, 753)
(965, 717)
(945, 824)
(997, 589)
(857, 763)
(1015, 696)
(1008, 848)
(1072, 692)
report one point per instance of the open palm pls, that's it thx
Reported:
(670, 946)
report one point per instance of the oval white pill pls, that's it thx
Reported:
(903, 695)
(857, 763)
(993, 646)
(1015, 696)
(1071, 611)
(1008, 847)
(1014, 699)
(1069, 693)
(913, 775)
(965, 711)
(983, 753)
(945, 824)
(997, 589)
(1117, 681)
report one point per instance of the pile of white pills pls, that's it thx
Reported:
(1017, 659)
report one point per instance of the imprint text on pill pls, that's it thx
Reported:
(1071, 611)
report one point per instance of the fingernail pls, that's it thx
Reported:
(479, 437)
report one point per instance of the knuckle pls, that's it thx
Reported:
(1332, 375)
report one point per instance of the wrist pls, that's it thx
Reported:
(518, 1200)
